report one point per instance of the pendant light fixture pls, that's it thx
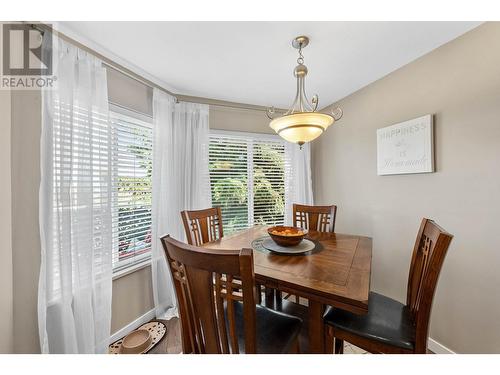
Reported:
(301, 123)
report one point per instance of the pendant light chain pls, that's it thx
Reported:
(300, 59)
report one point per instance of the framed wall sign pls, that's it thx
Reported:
(407, 147)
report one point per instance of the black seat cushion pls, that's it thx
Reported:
(276, 331)
(387, 321)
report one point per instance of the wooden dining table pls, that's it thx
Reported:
(336, 274)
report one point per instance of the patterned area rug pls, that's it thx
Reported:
(155, 328)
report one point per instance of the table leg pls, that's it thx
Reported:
(270, 296)
(316, 327)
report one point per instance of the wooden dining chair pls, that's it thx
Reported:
(202, 226)
(216, 299)
(317, 218)
(390, 326)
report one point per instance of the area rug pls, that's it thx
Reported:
(157, 329)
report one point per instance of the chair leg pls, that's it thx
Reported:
(259, 293)
(269, 297)
(277, 300)
(328, 340)
(339, 346)
(295, 347)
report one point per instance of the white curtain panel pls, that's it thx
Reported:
(298, 178)
(74, 296)
(180, 182)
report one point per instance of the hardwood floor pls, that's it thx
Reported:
(171, 343)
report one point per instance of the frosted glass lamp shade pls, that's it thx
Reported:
(301, 127)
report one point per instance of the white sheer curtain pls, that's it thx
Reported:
(74, 295)
(180, 182)
(298, 179)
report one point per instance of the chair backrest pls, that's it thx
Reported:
(430, 249)
(208, 283)
(202, 226)
(318, 218)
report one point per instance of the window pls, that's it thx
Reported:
(247, 178)
(132, 141)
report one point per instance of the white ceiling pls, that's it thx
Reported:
(252, 62)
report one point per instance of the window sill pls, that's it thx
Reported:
(133, 268)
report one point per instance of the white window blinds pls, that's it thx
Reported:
(247, 178)
(132, 166)
(80, 193)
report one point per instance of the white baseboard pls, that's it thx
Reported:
(131, 326)
(438, 348)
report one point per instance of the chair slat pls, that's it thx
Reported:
(219, 301)
(317, 218)
(231, 316)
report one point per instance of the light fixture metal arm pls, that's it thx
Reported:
(315, 102)
(337, 113)
(270, 112)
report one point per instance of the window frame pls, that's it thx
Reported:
(251, 136)
(126, 266)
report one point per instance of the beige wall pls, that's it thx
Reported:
(6, 291)
(235, 119)
(26, 120)
(460, 84)
(128, 92)
(132, 297)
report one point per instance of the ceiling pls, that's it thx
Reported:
(252, 62)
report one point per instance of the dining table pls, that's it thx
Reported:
(336, 273)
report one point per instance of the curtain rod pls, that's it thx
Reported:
(131, 74)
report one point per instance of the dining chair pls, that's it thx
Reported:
(317, 218)
(202, 226)
(216, 297)
(390, 326)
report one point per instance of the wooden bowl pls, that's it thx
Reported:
(136, 342)
(287, 236)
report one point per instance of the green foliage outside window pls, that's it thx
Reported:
(229, 176)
